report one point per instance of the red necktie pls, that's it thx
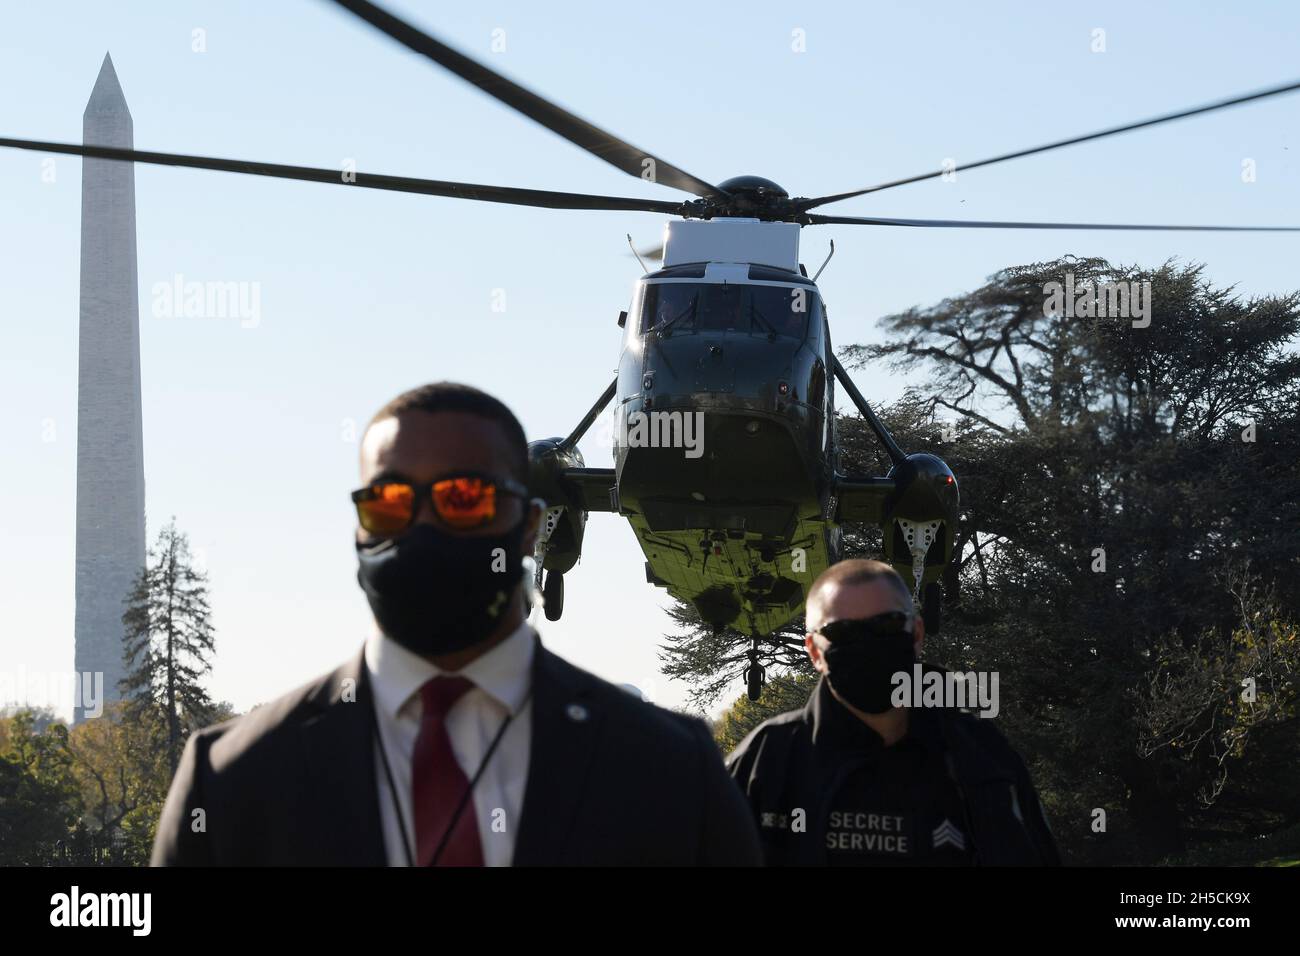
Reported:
(439, 783)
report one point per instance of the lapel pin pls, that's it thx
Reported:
(576, 713)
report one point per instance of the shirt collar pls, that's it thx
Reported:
(503, 673)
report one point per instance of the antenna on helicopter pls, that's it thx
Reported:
(635, 253)
(828, 259)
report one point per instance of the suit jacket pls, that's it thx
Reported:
(612, 780)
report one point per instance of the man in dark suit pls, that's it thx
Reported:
(452, 737)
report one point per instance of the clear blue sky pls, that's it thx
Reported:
(364, 294)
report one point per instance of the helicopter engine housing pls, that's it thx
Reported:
(547, 460)
(919, 518)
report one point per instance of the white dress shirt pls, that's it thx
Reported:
(502, 679)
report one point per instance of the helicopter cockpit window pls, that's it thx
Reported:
(669, 305)
(677, 307)
(782, 311)
(721, 308)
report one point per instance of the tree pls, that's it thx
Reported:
(782, 693)
(38, 794)
(1114, 478)
(122, 775)
(169, 641)
(1207, 702)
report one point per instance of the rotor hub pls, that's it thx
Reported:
(745, 197)
(753, 187)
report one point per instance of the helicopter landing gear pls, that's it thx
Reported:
(553, 596)
(549, 521)
(919, 535)
(755, 674)
(930, 609)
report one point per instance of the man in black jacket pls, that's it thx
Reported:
(853, 779)
(452, 737)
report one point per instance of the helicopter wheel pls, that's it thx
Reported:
(755, 674)
(930, 609)
(553, 596)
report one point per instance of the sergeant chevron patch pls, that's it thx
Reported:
(947, 833)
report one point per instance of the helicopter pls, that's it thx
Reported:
(726, 455)
(740, 513)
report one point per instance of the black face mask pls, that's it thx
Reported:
(435, 592)
(864, 656)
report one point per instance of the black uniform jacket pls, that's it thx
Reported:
(797, 771)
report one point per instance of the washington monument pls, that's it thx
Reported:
(110, 452)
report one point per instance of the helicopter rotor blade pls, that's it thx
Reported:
(601, 144)
(818, 220)
(805, 204)
(403, 184)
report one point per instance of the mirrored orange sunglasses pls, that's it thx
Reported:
(462, 501)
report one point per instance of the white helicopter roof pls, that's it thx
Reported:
(732, 240)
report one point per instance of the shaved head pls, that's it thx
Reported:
(887, 590)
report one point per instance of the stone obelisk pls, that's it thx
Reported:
(110, 441)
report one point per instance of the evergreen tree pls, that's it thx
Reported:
(169, 641)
